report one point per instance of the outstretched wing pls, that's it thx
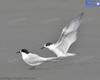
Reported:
(67, 41)
(72, 26)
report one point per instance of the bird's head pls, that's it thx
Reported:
(23, 51)
(47, 45)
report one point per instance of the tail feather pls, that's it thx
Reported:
(51, 59)
(71, 54)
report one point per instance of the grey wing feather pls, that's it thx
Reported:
(67, 41)
(72, 26)
(33, 58)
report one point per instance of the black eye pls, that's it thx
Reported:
(47, 44)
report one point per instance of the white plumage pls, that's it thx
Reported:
(67, 38)
(34, 59)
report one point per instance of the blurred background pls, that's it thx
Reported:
(32, 23)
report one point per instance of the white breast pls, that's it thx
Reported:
(31, 59)
(24, 56)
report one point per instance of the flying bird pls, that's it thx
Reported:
(67, 38)
(33, 59)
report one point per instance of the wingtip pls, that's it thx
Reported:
(82, 14)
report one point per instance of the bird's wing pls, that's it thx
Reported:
(67, 41)
(34, 58)
(72, 26)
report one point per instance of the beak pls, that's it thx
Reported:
(18, 52)
(42, 48)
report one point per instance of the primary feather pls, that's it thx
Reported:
(72, 26)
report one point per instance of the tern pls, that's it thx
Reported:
(33, 59)
(67, 38)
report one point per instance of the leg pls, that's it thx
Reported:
(58, 59)
(55, 61)
(32, 68)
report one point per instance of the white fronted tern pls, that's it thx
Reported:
(67, 38)
(34, 59)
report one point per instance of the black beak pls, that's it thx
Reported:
(18, 52)
(42, 48)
